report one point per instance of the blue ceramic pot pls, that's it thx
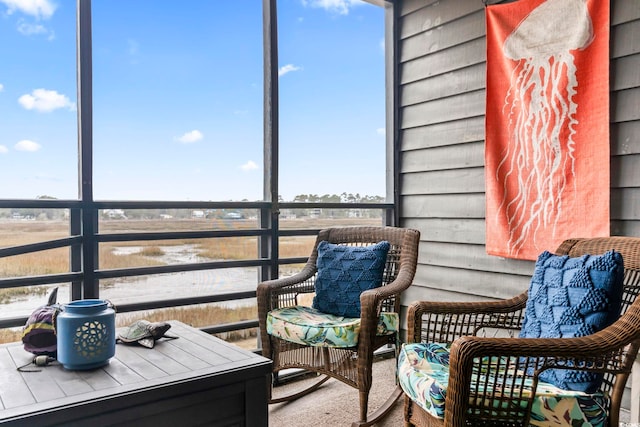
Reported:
(86, 334)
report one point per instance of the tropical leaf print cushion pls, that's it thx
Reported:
(308, 326)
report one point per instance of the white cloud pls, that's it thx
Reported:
(1, 87)
(45, 101)
(39, 9)
(287, 69)
(26, 145)
(341, 7)
(190, 137)
(3, 149)
(381, 131)
(250, 165)
(28, 29)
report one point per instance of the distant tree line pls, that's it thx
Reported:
(34, 213)
(337, 198)
(113, 214)
(334, 212)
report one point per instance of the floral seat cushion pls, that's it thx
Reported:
(423, 374)
(308, 326)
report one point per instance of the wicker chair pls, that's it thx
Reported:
(351, 365)
(611, 351)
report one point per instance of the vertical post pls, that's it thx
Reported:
(75, 221)
(85, 148)
(393, 117)
(270, 219)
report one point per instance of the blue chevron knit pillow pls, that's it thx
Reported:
(573, 297)
(344, 272)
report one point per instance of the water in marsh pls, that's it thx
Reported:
(155, 287)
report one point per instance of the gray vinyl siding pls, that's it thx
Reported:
(441, 100)
(441, 94)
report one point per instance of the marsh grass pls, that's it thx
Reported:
(6, 295)
(16, 233)
(55, 261)
(151, 251)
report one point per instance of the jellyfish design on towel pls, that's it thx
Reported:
(538, 165)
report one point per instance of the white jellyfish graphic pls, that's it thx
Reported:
(538, 164)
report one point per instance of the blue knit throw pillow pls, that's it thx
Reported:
(344, 272)
(573, 297)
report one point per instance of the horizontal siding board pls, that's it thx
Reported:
(625, 172)
(453, 83)
(458, 181)
(466, 28)
(624, 11)
(625, 72)
(439, 134)
(442, 110)
(486, 284)
(419, 292)
(444, 206)
(409, 6)
(465, 231)
(625, 105)
(470, 257)
(624, 39)
(435, 15)
(625, 228)
(626, 138)
(458, 57)
(625, 203)
(443, 158)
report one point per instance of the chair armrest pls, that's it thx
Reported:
(268, 291)
(371, 302)
(373, 297)
(272, 294)
(444, 322)
(612, 339)
(611, 350)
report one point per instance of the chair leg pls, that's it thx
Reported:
(301, 393)
(408, 411)
(380, 413)
(364, 405)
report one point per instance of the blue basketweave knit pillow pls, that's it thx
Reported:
(344, 272)
(573, 297)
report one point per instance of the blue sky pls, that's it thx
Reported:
(177, 89)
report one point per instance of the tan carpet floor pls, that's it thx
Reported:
(335, 403)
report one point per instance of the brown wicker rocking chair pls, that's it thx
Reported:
(351, 365)
(611, 351)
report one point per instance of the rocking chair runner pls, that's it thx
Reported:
(487, 376)
(351, 362)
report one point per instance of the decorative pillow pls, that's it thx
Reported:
(344, 272)
(573, 297)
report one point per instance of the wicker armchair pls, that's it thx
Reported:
(611, 351)
(350, 365)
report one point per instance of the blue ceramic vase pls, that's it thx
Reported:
(86, 335)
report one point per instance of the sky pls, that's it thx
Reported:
(178, 99)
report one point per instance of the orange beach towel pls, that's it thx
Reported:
(547, 124)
